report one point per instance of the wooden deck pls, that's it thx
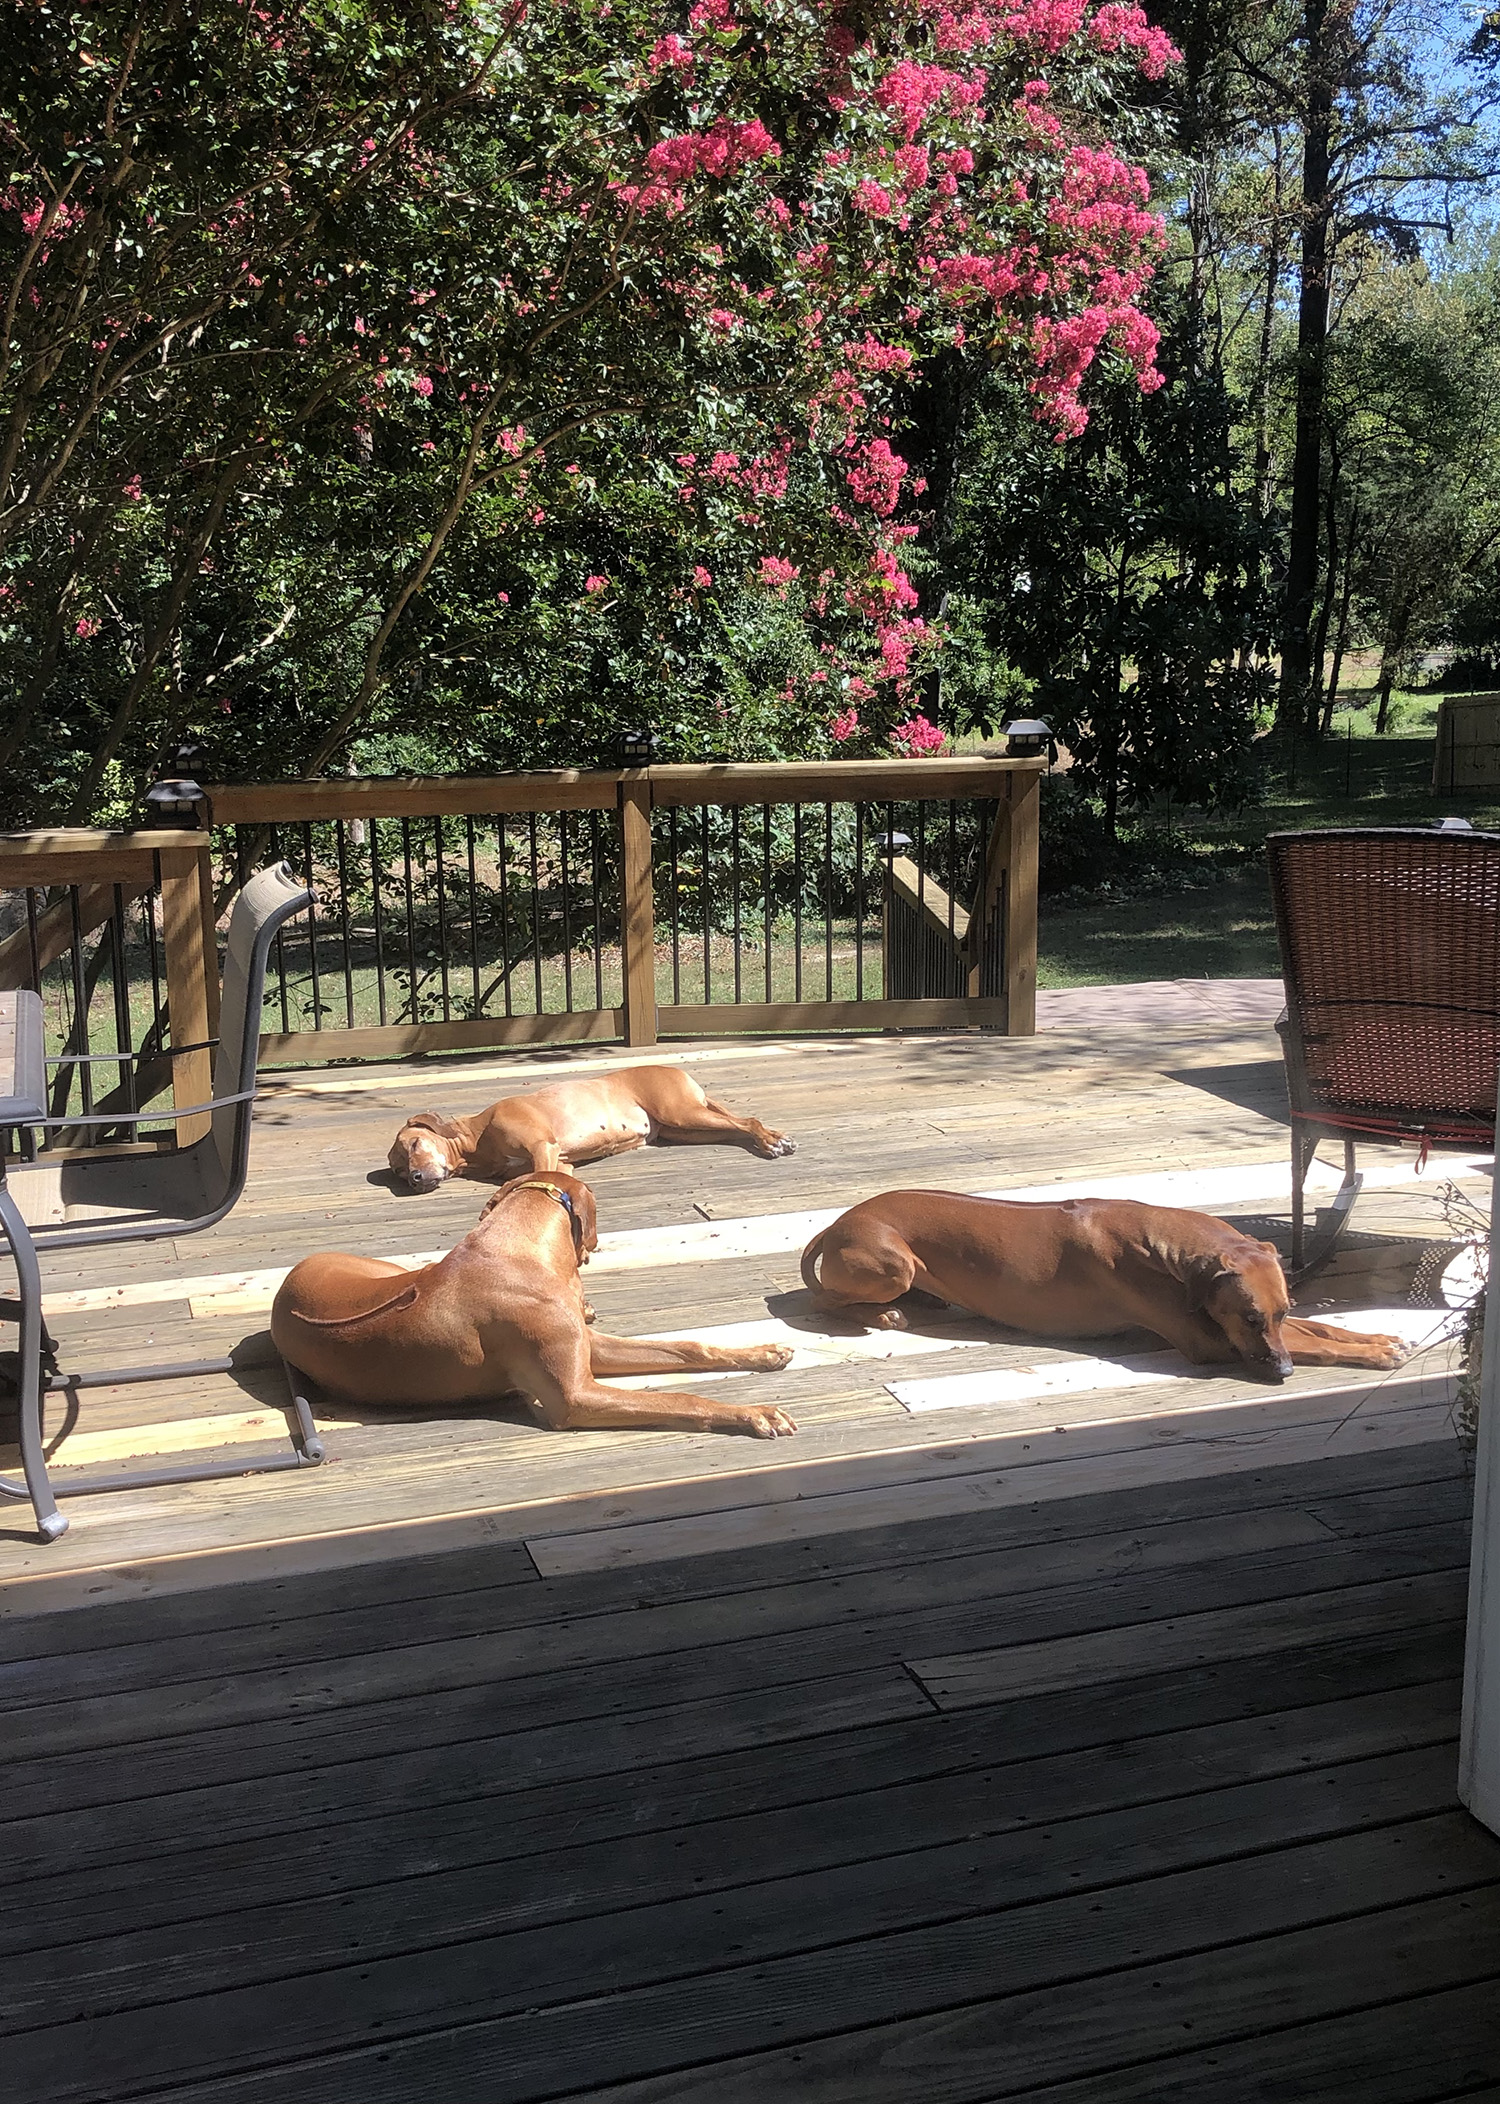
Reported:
(1078, 1732)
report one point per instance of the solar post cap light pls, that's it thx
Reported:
(1028, 738)
(638, 747)
(177, 800)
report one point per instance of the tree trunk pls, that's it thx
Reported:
(1398, 623)
(1341, 633)
(1312, 336)
(1325, 611)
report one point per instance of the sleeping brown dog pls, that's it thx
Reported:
(1085, 1267)
(501, 1314)
(573, 1121)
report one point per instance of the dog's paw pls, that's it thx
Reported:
(590, 1314)
(763, 1421)
(1392, 1353)
(774, 1145)
(889, 1319)
(768, 1358)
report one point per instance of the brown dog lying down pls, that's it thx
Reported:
(573, 1121)
(502, 1314)
(1086, 1267)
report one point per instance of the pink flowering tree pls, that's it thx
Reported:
(495, 338)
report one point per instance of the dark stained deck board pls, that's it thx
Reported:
(1149, 1957)
(463, 1870)
(630, 1664)
(923, 1928)
(1233, 1863)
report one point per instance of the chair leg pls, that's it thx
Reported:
(307, 1430)
(50, 1522)
(1304, 1147)
(1341, 1208)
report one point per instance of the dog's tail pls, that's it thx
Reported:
(810, 1257)
(405, 1298)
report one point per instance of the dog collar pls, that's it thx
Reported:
(539, 1183)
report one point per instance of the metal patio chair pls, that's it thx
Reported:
(1390, 954)
(81, 1204)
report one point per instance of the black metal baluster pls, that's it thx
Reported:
(594, 864)
(734, 861)
(377, 879)
(952, 868)
(676, 907)
(32, 940)
(343, 860)
(504, 853)
(286, 1013)
(125, 1073)
(442, 912)
(859, 902)
(536, 911)
(828, 899)
(473, 919)
(411, 926)
(567, 914)
(766, 908)
(703, 890)
(148, 921)
(886, 896)
(797, 901)
(80, 1003)
(921, 824)
(312, 926)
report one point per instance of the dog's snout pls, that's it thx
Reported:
(425, 1179)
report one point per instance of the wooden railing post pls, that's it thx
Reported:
(1007, 894)
(190, 962)
(637, 908)
(1024, 802)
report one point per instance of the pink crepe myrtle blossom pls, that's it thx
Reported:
(85, 626)
(778, 573)
(422, 385)
(132, 490)
(917, 737)
(844, 726)
(875, 480)
(596, 584)
(702, 578)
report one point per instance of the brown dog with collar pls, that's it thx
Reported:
(1085, 1267)
(573, 1121)
(501, 1314)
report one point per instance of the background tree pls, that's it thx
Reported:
(361, 361)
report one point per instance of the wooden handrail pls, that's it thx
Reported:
(567, 789)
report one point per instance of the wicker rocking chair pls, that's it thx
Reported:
(1390, 951)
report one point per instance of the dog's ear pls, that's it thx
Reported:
(1204, 1275)
(588, 1217)
(1271, 1250)
(431, 1121)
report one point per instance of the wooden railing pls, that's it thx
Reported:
(525, 909)
(533, 909)
(116, 932)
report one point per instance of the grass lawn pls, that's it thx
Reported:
(1134, 929)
